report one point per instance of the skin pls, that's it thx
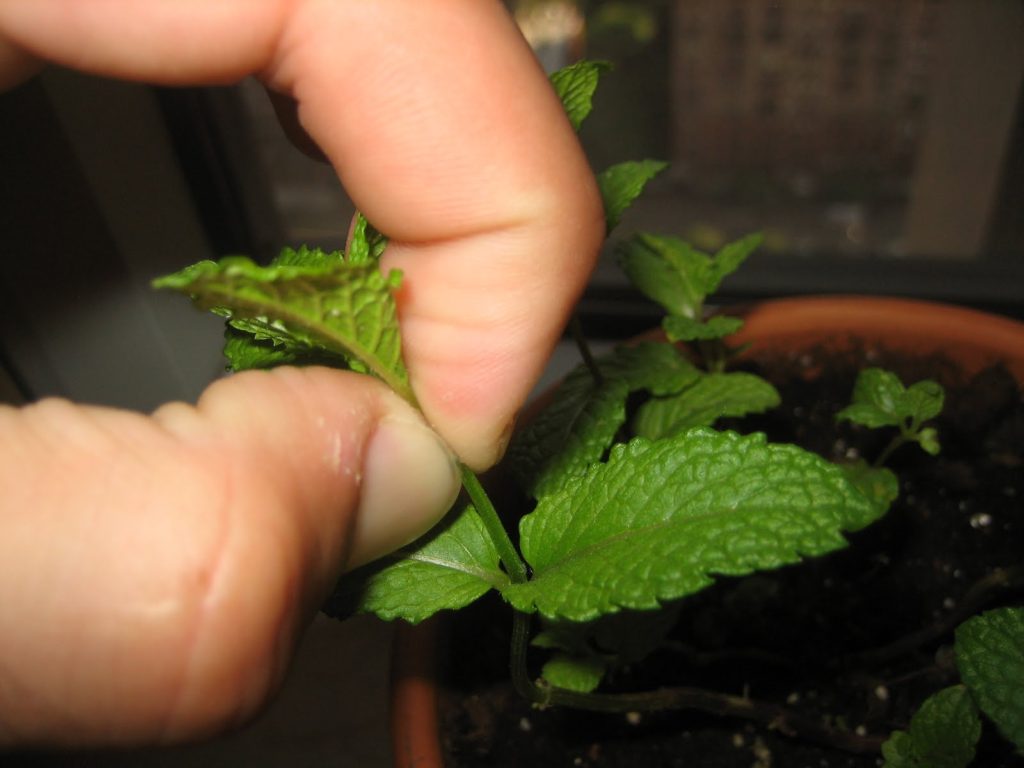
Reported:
(155, 574)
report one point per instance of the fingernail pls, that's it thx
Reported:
(410, 479)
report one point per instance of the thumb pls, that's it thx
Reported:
(155, 572)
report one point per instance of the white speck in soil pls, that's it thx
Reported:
(981, 520)
(634, 718)
(958, 573)
(738, 741)
(882, 693)
(860, 730)
(525, 725)
(949, 603)
(962, 506)
(793, 698)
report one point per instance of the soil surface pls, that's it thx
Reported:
(855, 640)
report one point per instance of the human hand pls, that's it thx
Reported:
(155, 572)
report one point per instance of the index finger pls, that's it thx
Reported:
(445, 133)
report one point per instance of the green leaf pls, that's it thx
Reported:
(928, 439)
(668, 271)
(340, 308)
(574, 673)
(711, 397)
(575, 86)
(304, 256)
(680, 328)
(244, 353)
(367, 244)
(621, 184)
(943, 733)
(990, 657)
(729, 258)
(881, 400)
(659, 520)
(923, 400)
(449, 568)
(880, 485)
(584, 416)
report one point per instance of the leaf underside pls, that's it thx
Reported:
(300, 309)
(659, 520)
(449, 568)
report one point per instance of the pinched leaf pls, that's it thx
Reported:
(881, 400)
(711, 397)
(575, 86)
(449, 568)
(943, 733)
(582, 420)
(680, 328)
(339, 308)
(621, 184)
(244, 353)
(304, 256)
(990, 657)
(659, 520)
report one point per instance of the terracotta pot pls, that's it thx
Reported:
(970, 338)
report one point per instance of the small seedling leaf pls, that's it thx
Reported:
(621, 184)
(575, 86)
(449, 568)
(711, 397)
(339, 308)
(584, 417)
(660, 519)
(943, 733)
(923, 400)
(990, 657)
(881, 400)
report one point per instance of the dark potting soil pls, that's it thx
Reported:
(853, 641)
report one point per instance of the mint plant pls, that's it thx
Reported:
(945, 730)
(631, 509)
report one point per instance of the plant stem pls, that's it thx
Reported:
(895, 443)
(514, 565)
(767, 714)
(773, 716)
(576, 329)
(974, 599)
(518, 669)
